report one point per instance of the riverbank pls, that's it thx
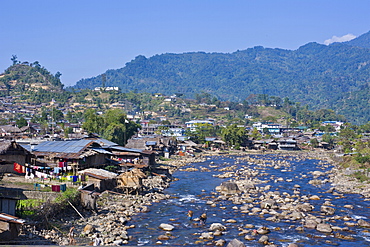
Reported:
(115, 210)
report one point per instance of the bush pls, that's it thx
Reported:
(362, 159)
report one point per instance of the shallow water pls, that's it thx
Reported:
(194, 189)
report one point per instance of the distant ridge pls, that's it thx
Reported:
(336, 76)
(361, 41)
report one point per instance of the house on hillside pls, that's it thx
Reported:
(12, 153)
(193, 124)
(9, 131)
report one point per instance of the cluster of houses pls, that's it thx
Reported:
(86, 158)
(75, 160)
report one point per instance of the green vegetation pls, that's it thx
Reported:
(113, 125)
(29, 207)
(333, 77)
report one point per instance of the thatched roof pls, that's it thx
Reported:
(9, 129)
(4, 146)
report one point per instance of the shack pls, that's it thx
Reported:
(12, 153)
(89, 197)
(102, 179)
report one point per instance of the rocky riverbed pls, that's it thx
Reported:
(246, 188)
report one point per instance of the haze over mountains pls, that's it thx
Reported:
(336, 76)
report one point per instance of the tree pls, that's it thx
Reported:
(328, 139)
(14, 59)
(202, 130)
(93, 122)
(314, 142)
(21, 122)
(117, 127)
(233, 135)
(58, 75)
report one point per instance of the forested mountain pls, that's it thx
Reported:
(335, 76)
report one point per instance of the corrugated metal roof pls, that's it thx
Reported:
(127, 149)
(62, 146)
(105, 143)
(100, 150)
(10, 218)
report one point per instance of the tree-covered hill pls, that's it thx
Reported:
(25, 77)
(334, 76)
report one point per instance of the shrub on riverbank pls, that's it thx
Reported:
(42, 211)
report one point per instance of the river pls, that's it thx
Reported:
(194, 190)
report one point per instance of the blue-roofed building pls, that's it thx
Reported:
(76, 153)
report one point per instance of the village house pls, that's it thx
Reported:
(69, 155)
(193, 124)
(287, 144)
(336, 124)
(100, 178)
(9, 131)
(13, 156)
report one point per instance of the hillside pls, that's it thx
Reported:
(334, 76)
(23, 78)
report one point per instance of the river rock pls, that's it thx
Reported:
(166, 227)
(314, 197)
(248, 226)
(217, 226)
(235, 243)
(292, 245)
(263, 230)
(118, 242)
(363, 223)
(310, 224)
(228, 188)
(264, 239)
(327, 210)
(217, 233)
(89, 229)
(325, 228)
(231, 221)
(268, 204)
(249, 237)
(206, 235)
(163, 237)
(220, 242)
(317, 173)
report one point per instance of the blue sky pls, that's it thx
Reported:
(84, 38)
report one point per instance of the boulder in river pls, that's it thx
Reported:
(363, 223)
(220, 242)
(263, 230)
(325, 228)
(264, 239)
(228, 188)
(217, 226)
(235, 243)
(268, 204)
(327, 210)
(166, 227)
